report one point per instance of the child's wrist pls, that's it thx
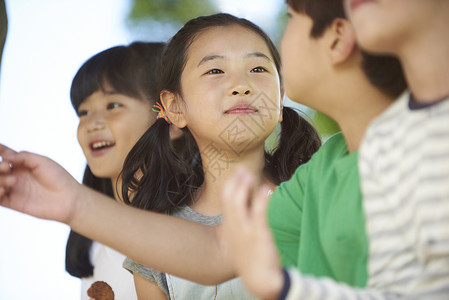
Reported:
(277, 286)
(76, 208)
(285, 285)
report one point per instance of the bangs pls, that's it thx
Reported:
(85, 83)
(106, 69)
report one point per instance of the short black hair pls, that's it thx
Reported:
(384, 72)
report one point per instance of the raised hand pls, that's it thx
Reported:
(248, 238)
(37, 186)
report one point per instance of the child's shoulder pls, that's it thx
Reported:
(188, 213)
(391, 117)
(335, 144)
(400, 105)
(334, 140)
(333, 149)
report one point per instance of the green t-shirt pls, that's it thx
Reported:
(317, 217)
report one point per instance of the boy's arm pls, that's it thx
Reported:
(255, 258)
(250, 243)
(297, 286)
(38, 186)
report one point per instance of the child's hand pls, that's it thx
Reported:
(248, 237)
(37, 186)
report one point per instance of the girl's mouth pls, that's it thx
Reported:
(241, 109)
(100, 147)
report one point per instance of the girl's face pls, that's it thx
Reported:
(110, 125)
(385, 26)
(230, 88)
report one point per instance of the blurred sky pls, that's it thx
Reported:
(47, 42)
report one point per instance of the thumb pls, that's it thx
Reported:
(260, 204)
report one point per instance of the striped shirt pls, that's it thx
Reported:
(404, 169)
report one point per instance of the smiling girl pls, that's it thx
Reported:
(112, 93)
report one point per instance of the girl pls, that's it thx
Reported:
(223, 85)
(220, 82)
(112, 93)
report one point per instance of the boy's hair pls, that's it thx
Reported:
(384, 72)
(171, 177)
(131, 71)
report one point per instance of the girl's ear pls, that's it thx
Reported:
(342, 41)
(173, 107)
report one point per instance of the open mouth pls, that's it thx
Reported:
(100, 145)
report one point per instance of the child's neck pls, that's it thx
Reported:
(208, 200)
(425, 62)
(356, 102)
(361, 115)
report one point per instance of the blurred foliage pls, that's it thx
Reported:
(173, 11)
(273, 139)
(281, 22)
(3, 27)
(324, 124)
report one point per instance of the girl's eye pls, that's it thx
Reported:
(113, 105)
(82, 113)
(258, 70)
(214, 71)
(289, 15)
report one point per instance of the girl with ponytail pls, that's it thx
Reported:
(113, 93)
(219, 81)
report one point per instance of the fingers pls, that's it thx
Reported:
(7, 156)
(237, 194)
(4, 167)
(6, 183)
(6, 179)
(5, 151)
(18, 159)
(238, 199)
(233, 183)
(260, 205)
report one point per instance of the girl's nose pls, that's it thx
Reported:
(241, 89)
(241, 92)
(96, 123)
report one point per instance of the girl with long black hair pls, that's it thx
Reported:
(113, 93)
(220, 83)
